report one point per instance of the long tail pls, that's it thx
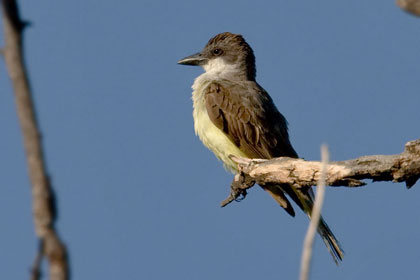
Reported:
(330, 241)
(305, 200)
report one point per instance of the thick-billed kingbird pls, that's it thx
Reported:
(234, 115)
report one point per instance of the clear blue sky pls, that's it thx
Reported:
(139, 195)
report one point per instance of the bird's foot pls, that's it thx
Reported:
(238, 189)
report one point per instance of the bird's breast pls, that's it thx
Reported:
(211, 136)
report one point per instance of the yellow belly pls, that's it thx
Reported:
(211, 136)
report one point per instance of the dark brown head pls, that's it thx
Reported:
(225, 54)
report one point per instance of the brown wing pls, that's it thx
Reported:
(247, 115)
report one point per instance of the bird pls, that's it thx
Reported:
(234, 115)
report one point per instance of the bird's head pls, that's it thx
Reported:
(225, 54)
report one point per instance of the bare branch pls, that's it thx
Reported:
(36, 267)
(410, 6)
(42, 194)
(316, 215)
(404, 167)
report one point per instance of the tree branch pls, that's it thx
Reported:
(410, 6)
(404, 167)
(44, 211)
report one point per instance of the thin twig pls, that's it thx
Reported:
(44, 211)
(316, 214)
(36, 267)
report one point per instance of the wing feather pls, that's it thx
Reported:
(248, 116)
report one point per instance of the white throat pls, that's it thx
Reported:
(218, 68)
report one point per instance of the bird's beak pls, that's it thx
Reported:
(195, 60)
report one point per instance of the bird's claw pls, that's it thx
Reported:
(238, 189)
(240, 195)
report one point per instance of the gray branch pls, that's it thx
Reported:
(404, 167)
(44, 211)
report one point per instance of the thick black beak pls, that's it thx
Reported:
(195, 60)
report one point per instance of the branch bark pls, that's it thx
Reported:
(404, 167)
(44, 211)
(410, 6)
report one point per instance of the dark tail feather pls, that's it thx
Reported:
(279, 196)
(305, 200)
(330, 241)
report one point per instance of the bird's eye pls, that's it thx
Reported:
(217, 51)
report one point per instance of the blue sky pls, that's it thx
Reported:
(139, 195)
